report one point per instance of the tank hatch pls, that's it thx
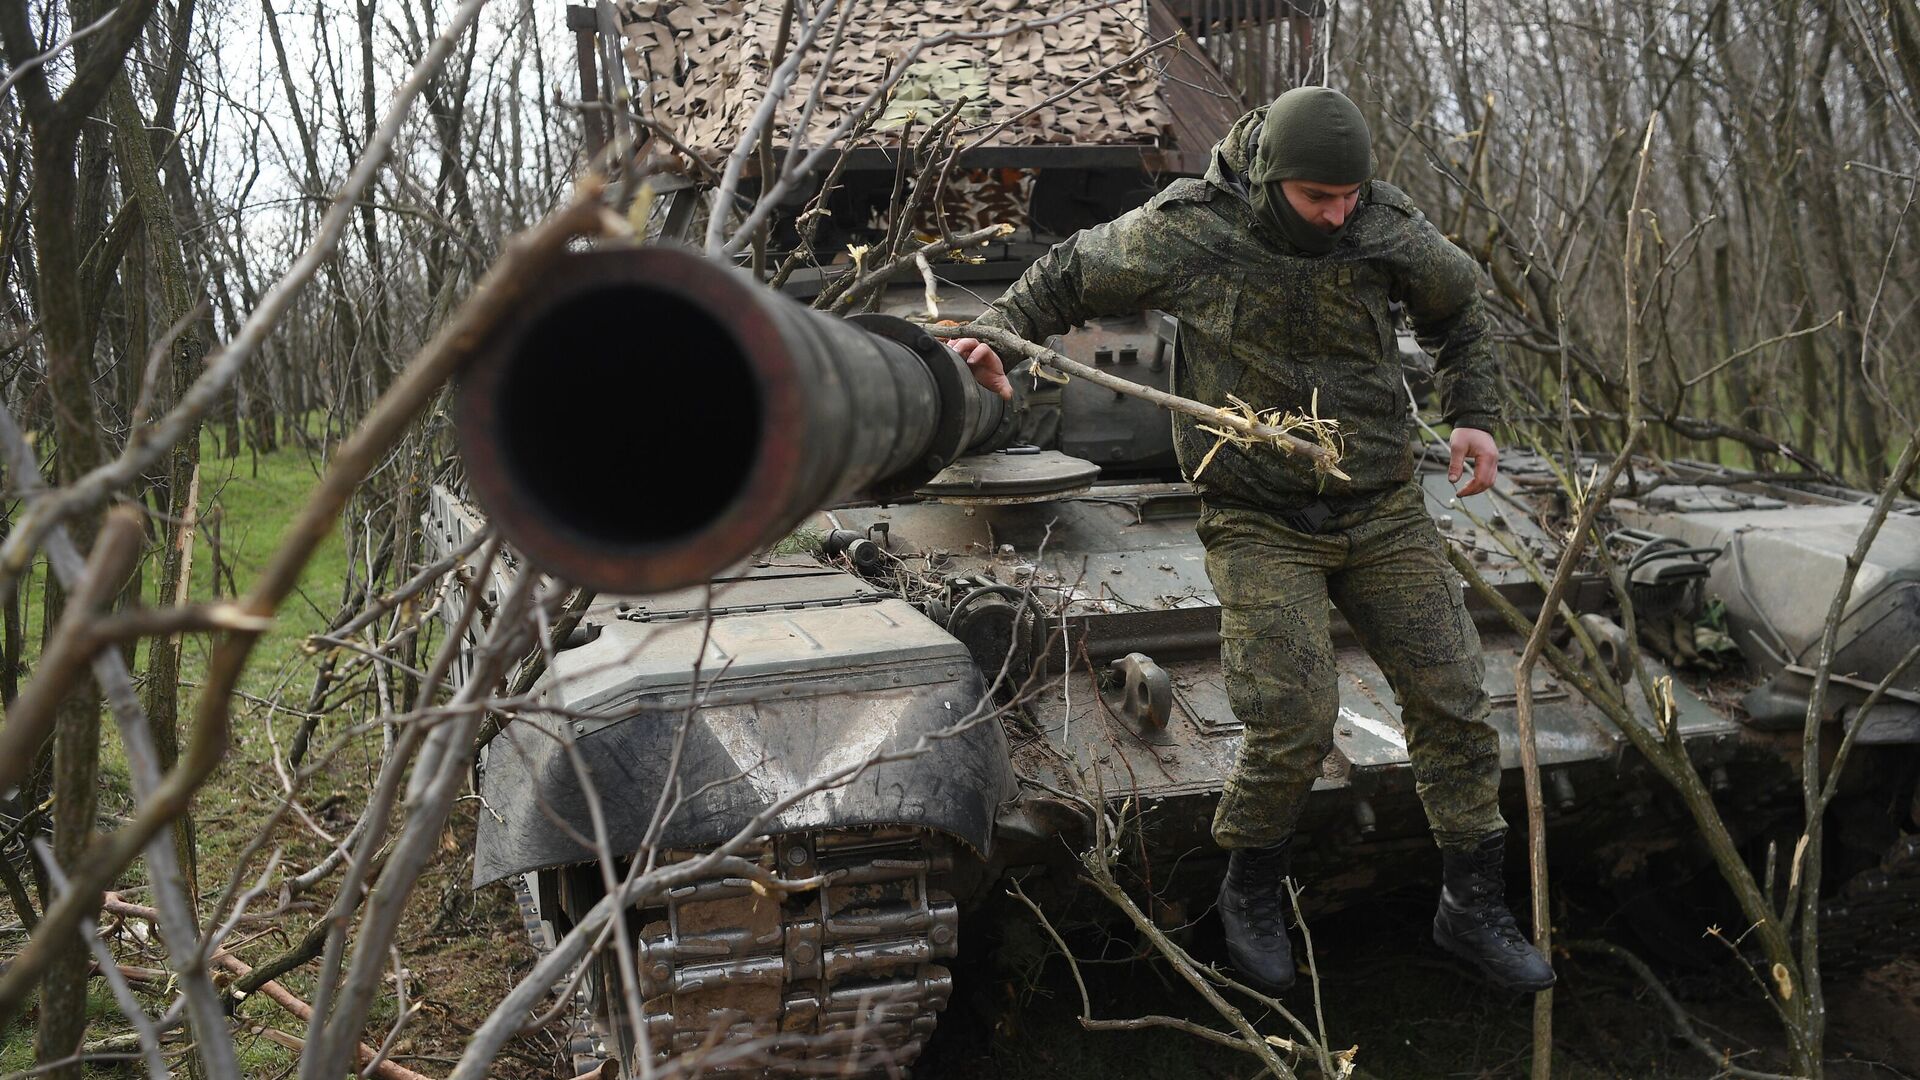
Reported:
(1018, 476)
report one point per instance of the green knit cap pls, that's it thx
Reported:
(1313, 133)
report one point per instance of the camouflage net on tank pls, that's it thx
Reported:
(699, 67)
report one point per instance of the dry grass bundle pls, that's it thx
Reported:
(1278, 428)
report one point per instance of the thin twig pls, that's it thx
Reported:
(1087, 1019)
(1808, 855)
(1691, 382)
(383, 426)
(110, 970)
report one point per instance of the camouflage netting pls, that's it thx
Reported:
(699, 66)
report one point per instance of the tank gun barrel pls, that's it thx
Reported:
(649, 417)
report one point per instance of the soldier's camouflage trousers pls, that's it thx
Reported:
(1383, 567)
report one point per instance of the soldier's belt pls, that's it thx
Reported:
(1312, 517)
(1308, 517)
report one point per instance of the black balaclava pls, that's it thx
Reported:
(1310, 133)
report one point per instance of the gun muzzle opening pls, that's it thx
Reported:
(632, 448)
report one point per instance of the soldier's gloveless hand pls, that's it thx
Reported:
(1473, 443)
(985, 365)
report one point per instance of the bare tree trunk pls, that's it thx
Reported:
(140, 173)
(68, 331)
(1869, 444)
(343, 314)
(380, 357)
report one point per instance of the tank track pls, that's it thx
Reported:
(842, 980)
(1876, 915)
(586, 1048)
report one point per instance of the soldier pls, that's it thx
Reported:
(1280, 266)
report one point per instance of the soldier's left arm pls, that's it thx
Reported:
(1442, 288)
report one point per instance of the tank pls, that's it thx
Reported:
(814, 543)
(882, 627)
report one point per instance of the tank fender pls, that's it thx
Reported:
(746, 750)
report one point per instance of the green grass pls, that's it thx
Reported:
(257, 1055)
(464, 965)
(246, 505)
(16, 1048)
(103, 1016)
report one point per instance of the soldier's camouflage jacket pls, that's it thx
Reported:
(1270, 326)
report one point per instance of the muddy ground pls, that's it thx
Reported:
(1414, 1013)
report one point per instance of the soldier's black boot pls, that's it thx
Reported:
(1253, 908)
(1474, 924)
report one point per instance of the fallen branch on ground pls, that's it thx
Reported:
(271, 990)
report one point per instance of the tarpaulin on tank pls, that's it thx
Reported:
(786, 699)
(1784, 551)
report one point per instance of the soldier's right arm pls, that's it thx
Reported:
(1111, 269)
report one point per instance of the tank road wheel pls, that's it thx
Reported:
(840, 980)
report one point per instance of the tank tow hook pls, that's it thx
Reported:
(1146, 696)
